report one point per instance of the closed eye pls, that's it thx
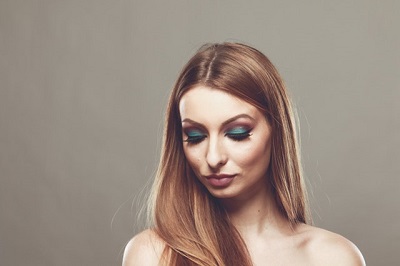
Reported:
(194, 137)
(194, 140)
(238, 134)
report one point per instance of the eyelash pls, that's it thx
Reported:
(239, 136)
(233, 136)
(195, 139)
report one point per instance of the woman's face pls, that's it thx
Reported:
(226, 141)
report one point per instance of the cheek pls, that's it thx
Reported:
(255, 156)
(193, 157)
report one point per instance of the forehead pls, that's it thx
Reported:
(205, 103)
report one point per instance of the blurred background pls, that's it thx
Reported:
(84, 83)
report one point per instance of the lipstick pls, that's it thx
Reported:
(220, 180)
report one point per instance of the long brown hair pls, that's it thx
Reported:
(183, 213)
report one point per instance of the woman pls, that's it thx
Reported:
(229, 188)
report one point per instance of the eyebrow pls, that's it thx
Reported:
(230, 120)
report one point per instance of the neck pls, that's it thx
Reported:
(256, 214)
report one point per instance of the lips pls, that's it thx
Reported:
(220, 180)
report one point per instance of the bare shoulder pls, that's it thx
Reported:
(143, 249)
(327, 248)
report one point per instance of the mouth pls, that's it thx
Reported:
(219, 180)
(219, 176)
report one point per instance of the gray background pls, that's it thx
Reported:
(83, 86)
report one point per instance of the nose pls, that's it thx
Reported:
(216, 156)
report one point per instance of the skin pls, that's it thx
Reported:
(210, 120)
(236, 141)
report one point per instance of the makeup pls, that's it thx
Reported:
(193, 135)
(238, 133)
(220, 180)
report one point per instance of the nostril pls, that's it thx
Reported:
(216, 160)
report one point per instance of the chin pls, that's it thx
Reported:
(222, 193)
